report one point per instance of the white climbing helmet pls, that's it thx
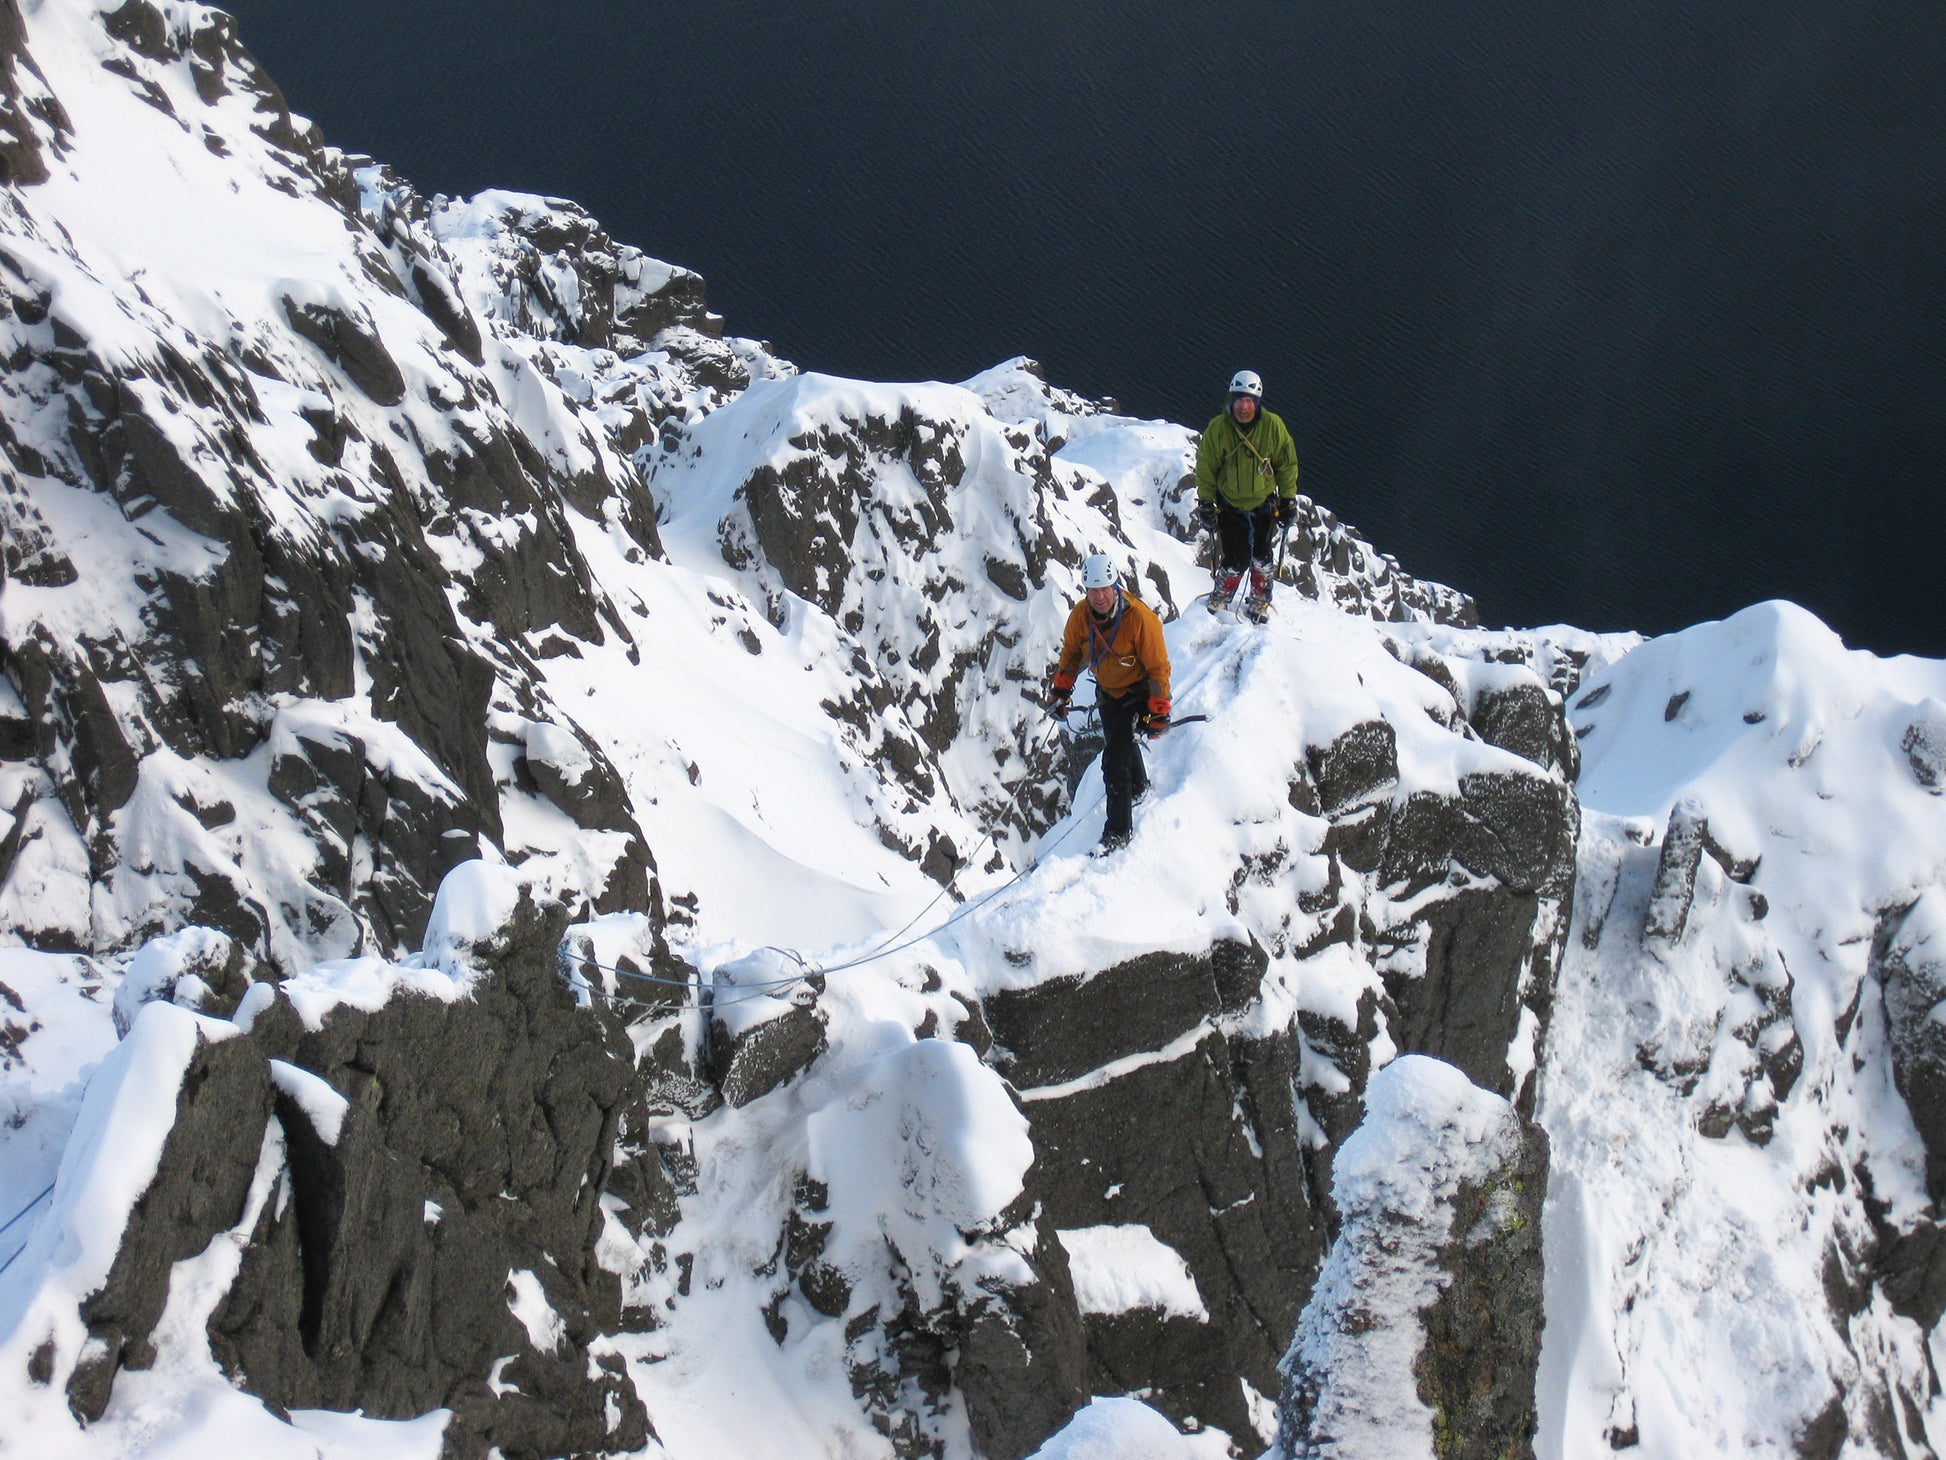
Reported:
(1247, 382)
(1097, 572)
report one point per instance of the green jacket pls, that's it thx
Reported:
(1243, 467)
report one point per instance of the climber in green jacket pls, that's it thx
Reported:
(1246, 491)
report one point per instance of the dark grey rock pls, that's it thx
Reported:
(1065, 1026)
(1465, 1006)
(1519, 830)
(1737, 868)
(21, 161)
(1914, 983)
(429, 682)
(220, 971)
(1924, 744)
(1420, 842)
(17, 834)
(1022, 1369)
(1459, 972)
(530, 579)
(1338, 1111)
(640, 1181)
(1772, 1065)
(754, 1060)
(1471, 1236)
(98, 772)
(1009, 577)
(1331, 563)
(1202, 1150)
(1529, 721)
(1010, 1353)
(501, 1111)
(972, 1028)
(350, 340)
(199, 1188)
(1674, 893)
(1911, 1269)
(433, 291)
(305, 633)
(146, 469)
(197, 627)
(1483, 1333)
(1357, 763)
(1825, 1436)
(590, 792)
(681, 301)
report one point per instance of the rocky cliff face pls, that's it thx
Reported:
(398, 458)
(394, 488)
(468, 725)
(468, 1182)
(337, 554)
(1374, 907)
(1442, 1186)
(401, 1190)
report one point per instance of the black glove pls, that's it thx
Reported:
(1206, 514)
(1286, 511)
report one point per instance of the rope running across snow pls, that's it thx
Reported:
(769, 988)
(772, 987)
(15, 1219)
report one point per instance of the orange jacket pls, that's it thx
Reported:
(1134, 652)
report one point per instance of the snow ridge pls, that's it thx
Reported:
(468, 581)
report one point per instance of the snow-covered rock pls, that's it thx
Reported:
(1738, 1075)
(1423, 1331)
(554, 798)
(371, 1157)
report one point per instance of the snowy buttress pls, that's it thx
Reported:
(1433, 1147)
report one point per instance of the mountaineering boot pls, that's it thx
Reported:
(1225, 589)
(1256, 607)
(1111, 841)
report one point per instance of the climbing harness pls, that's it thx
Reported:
(1107, 640)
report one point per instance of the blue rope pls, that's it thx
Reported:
(26, 1209)
(15, 1219)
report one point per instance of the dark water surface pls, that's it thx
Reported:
(1620, 314)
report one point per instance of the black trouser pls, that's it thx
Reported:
(1246, 534)
(1122, 771)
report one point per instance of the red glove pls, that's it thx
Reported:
(1158, 718)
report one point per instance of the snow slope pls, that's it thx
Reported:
(1733, 1162)
(914, 1143)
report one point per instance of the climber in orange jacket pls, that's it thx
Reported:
(1119, 638)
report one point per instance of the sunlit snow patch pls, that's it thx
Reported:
(1120, 1269)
